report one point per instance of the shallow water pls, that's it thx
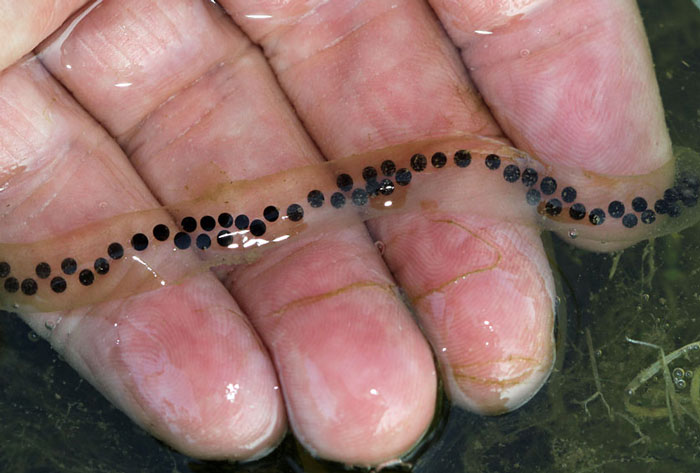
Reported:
(649, 293)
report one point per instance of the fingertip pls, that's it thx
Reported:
(498, 386)
(491, 326)
(571, 82)
(503, 353)
(185, 365)
(363, 395)
(26, 24)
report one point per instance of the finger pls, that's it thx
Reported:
(210, 392)
(363, 75)
(571, 82)
(25, 24)
(325, 306)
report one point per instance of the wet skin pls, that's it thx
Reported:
(169, 100)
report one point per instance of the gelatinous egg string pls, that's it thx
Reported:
(234, 223)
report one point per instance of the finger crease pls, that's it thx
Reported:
(304, 301)
(463, 276)
(460, 372)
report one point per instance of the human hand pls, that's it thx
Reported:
(358, 376)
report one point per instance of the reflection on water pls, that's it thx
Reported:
(584, 419)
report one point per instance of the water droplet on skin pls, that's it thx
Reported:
(33, 337)
(573, 234)
(232, 391)
(524, 52)
(50, 325)
(381, 246)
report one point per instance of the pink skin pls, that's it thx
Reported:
(571, 81)
(355, 371)
(211, 391)
(25, 24)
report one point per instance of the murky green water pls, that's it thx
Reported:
(581, 421)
